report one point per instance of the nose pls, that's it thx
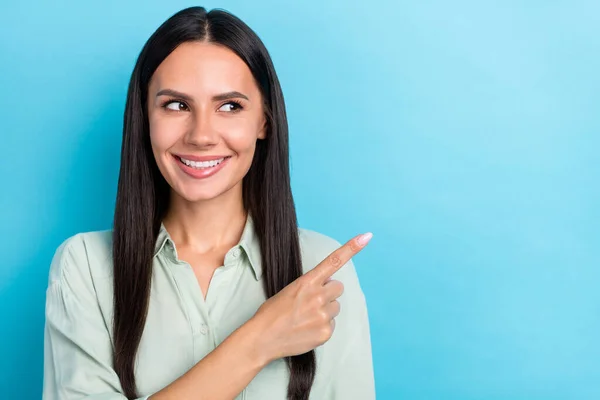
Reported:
(202, 132)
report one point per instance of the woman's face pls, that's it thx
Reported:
(205, 115)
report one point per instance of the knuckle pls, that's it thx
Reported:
(302, 283)
(335, 260)
(354, 246)
(320, 299)
(337, 288)
(326, 333)
(338, 306)
(324, 316)
(334, 309)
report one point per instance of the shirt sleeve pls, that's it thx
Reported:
(353, 376)
(77, 345)
(345, 364)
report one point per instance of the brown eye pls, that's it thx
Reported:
(176, 106)
(231, 107)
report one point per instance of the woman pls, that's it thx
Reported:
(205, 288)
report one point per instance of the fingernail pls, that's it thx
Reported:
(364, 238)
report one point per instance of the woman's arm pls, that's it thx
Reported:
(292, 322)
(78, 349)
(238, 358)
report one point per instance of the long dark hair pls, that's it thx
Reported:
(143, 194)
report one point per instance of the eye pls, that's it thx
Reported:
(175, 105)
(232, 106)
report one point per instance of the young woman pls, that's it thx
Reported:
(205, 288)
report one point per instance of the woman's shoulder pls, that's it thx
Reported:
(82, 256)
(317, 242)
(316, 246)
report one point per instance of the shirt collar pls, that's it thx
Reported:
(249, 242)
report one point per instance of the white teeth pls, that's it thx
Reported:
(202, 164)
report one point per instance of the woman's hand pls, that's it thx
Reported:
(301, 316)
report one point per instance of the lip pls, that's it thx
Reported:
(201, 173)
(199, 158)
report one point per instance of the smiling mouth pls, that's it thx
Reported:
(201, 164)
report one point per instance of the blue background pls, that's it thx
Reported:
(465, 135)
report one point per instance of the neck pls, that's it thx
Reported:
(206, 225)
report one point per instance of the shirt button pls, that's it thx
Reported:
(203, 329)
(236, 253)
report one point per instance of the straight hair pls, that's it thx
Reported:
(143, 193)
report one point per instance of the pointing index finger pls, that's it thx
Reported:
(339, 257)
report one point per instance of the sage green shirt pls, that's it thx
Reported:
(182, 327)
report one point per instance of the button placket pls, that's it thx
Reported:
(222, 273)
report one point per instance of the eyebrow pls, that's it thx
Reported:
(217, 97)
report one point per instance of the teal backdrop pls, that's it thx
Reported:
(464, 134)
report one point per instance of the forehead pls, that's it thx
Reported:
(204, 68)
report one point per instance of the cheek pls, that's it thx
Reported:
(163, 135)
(240, 138)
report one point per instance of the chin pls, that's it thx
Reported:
(195, 193)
